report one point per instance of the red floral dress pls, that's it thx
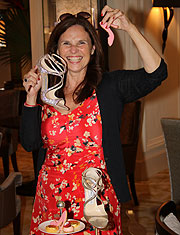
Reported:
(74, 143)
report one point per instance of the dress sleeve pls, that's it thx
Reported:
(135, 84)
(30, 128)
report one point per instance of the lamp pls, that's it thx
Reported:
(2, 33)
(166, 4)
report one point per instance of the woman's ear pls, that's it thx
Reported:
(57, 52)
(92, 50)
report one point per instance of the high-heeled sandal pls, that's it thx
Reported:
(92, 182)
(60, 223)
(55, 65)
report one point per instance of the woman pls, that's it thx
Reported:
(87, 134)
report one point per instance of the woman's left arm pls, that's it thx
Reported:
(117, 19)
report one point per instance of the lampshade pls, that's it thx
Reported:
(2, 33)
(166, 3)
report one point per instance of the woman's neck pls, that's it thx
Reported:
(72, 82)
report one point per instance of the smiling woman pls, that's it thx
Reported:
(80, 157)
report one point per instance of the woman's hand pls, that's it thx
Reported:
(115, 18)
(32, 83)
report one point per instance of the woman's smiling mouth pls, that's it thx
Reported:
(74, 59)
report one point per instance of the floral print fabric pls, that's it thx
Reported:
(74, 143)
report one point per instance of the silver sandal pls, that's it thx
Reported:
(55, 65)
(92, 183)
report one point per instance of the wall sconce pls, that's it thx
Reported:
(168, 10)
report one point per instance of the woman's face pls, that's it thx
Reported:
(76, 48)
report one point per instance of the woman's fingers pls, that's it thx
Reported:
(31, 80)
(105, 9)
(115, 18)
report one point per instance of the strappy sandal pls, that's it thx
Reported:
(92, 183)
(55, 65)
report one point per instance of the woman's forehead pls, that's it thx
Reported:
(75, 32)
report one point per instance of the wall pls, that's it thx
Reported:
(164, 101)
(37, 36)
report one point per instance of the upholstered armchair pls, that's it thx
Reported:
(10, 203)
(165, 219)
(9, 125)
(171, 130)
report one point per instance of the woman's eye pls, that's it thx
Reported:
(65, 43)
(82, 42)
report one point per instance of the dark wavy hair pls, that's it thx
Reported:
(96, 63)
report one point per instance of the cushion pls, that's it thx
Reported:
(172, 222)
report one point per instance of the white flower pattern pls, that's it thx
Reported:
(74, 143)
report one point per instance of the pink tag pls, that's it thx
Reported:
(109, 31)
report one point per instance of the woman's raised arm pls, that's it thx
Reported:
(115, 18)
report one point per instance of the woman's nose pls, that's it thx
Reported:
(74, 48)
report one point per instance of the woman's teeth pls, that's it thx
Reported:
(74, 59)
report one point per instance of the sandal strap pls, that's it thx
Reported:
(94, 185)
(53, 64)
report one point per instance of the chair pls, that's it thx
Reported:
(10, 111)
(162, 227)
(9, 125)
(10, 204)
(9, 148)
(129, 134)
(171, 130)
